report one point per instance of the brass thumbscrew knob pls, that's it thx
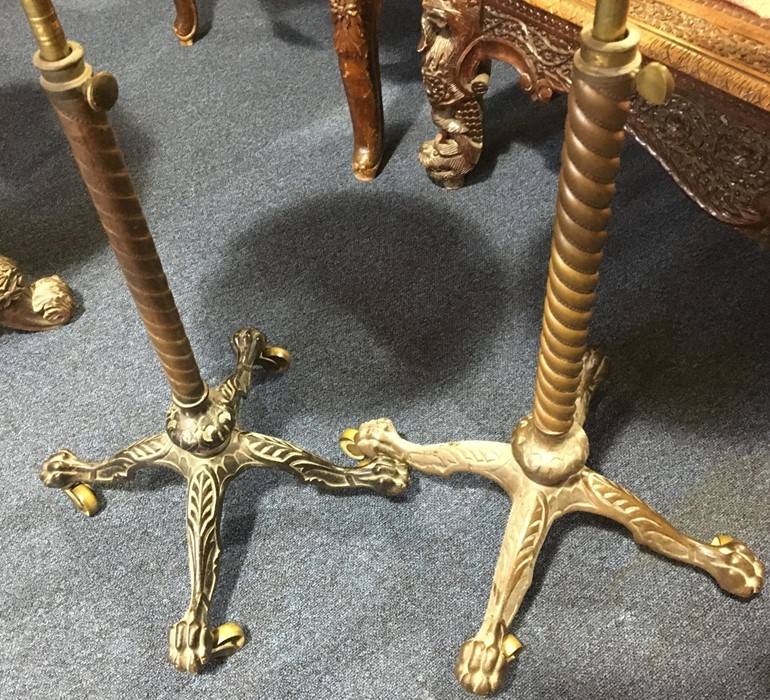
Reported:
(655, 83)
(102, 91)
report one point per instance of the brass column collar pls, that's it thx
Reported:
(72, 73)
(599, 61)
(549, 459)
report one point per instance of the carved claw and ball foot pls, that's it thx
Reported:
(40, 306)
(449, 28)
(544, 481)
(207, 447)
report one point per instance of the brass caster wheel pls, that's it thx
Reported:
(721, 540)
(511, 646)
(275, 359)
(84, 499)
(228, 639)
(347, 443)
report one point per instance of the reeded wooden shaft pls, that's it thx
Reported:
(101, 164)
(590, 161)
(102, 167)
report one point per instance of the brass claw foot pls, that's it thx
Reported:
(206, 445)
(736, 569)
(45, 304)
(190, 642)
(62, 470)
(482, 660)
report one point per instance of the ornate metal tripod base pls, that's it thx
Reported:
(40, 306)
(207, 447)
(535, 507)
(203, 441)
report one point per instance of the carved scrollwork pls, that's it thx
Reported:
(548, 54)
(349, 28)
(700, 31)
(719, 156)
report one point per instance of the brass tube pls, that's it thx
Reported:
(610, 20)
(46, 29)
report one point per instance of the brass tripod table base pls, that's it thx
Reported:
(44, 304)
(536, 505)
(206, 446)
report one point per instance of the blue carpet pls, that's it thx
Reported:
(396, 298)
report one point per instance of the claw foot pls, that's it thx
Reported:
(190, 643)
(378, 438)
(248, 344)
(482, 660)
(737, 569)
(62, 470)
(392, 476)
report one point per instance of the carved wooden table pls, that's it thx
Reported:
(713, 137)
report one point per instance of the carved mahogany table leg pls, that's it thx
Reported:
(543, 469)
(186, 22)
(448, 28)
(356, 42)
(203, 440)
(40, 306)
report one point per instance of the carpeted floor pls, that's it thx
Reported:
(397, 298)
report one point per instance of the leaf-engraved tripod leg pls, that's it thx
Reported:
(483, 658)
(378, 438)
(731, 563)
(191, 640)
(385, 476)
(64, 470)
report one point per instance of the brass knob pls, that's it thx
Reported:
(655, 83)
(102, 91)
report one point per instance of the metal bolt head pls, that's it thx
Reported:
(102, 91)
(655, 83)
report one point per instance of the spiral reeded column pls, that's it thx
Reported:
(80, 100)
(109, 184)
(597, 112)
